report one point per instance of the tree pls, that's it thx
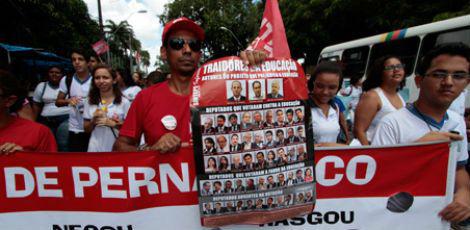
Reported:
(58, 26)
(121, 39)
(145, 58)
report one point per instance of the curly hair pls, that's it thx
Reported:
(374, 75)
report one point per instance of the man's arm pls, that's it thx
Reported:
(459, 209)
(125, 144)
(62, 101)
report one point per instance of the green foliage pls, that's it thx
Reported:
(58, 26)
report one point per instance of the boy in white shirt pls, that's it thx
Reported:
(443, 74)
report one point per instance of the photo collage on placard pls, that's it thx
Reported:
(228, 187)
(240, 91)
(253, 140)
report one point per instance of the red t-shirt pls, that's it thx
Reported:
(30, 135)
(145, 116)
(148, 109)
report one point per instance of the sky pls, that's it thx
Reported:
(146, 26)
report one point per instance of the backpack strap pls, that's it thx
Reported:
(43, 91)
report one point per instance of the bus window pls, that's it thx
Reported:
(332, 58)
(433, 39)
(405, 49)
(354, 61)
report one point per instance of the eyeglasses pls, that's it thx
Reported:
(178, 43)
(394, 67)
(442, 75)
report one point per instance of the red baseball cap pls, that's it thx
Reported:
(183, 23)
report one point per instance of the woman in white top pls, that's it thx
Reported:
(323, 86)
(105, 110)
(56, 118)
(380, 97)
(127, 85)
(353, 91)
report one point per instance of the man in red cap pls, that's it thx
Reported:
(161, 112)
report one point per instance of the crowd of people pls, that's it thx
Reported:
(107, 110)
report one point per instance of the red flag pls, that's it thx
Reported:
(272, 35)
(100, 47)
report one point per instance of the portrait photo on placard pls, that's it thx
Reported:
(210, 163)
(301, 151)
(300, 132)
(282, 155)
(207, 208)
(279, 118)
(236, 162)
(258, 139)
(246, 121)
(271, 158)
(261, 162)
(270, 138)
(229, 186)
(247, 141)
(236, 90)
(268, 118)
(299, 114)
(222, 143)
(207, 126)
(235, 143)
(239, 185)
(209, 145)
(224, 164)
(234, 122)
(257, 89)
(275, 88)
(206, 188)
(280, 137)
(258, 120)
(217, 187)
(221, 124)
(219, 207)
(262, 184)
(248, 161)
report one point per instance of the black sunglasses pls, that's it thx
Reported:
(178, 43)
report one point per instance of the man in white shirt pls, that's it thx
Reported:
(73, 95)
(442, 75)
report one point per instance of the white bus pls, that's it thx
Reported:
(409, 44)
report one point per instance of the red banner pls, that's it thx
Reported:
(366, 188)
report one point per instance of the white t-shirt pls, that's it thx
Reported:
(355, 94)
(77, 89)
(131, 92)
(386, 108)
(458, 105)
(404, 126)
(325, 128)
(48, 96)
(103, 137)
